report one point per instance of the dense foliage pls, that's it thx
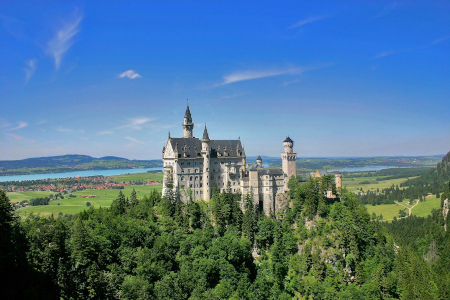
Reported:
(159, 248)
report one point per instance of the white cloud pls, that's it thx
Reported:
(19, 126)
(63, 129)
(307, 21)
(136, 141)
(435, 42)
(63, 39)
(252, 74)
(29, 70)
(105, 132)
(383, 54)
(387, 10)
(42, 122)
(14, 137)
(137, 123)
(286, 83)
(129, 74)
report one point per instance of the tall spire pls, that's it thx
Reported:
(205, 134)
(187, 114)
(188, 125)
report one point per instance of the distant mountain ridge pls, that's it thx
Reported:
(71, 162)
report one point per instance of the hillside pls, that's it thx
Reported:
(160, 248)
(433, 182)
(65, 163)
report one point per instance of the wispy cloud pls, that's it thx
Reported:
(41, 122)
(383, 54)
(63, 39)
(105, 132)
(136, 141)
(286, 83)
(14, 26)
(63, 129)
(257, 74)
(19, 126)
(14, 137)
(386, 11)
(390, 52)
(136, 123)
(435, 42)
(307, 21)
(30, 68)
(131, 74)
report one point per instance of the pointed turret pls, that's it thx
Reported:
(188, 125)
(187, 114)
(259, 162)
(205, 134)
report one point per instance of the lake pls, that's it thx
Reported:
(362, 169)
(112, 172)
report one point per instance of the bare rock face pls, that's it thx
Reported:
(281, 202)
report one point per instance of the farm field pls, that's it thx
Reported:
(354, 184)
(389, 211)
(139, 176)
(78, 204)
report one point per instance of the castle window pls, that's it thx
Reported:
(196, 177)
(182, 178)
(190, 185)
(196, 170)
(182, 163)
(188, 163)
(190, 178)
(201, 185)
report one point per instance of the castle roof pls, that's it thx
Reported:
(205, 134)
(192, 147)
(187, 114)
(259, 158)
(288, 140)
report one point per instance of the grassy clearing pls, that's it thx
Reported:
(21, 196)
(389, 211)
(423, 209)
(139, 176)
(78, 204)
(354, 184)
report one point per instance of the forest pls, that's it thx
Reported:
(160, 248)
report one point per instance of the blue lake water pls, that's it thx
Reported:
(112, 172)
(362, 169)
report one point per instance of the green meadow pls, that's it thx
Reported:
(389, 211)
(78, 204)
(75, 205)
(354, 184)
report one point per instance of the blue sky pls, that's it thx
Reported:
(341, 78)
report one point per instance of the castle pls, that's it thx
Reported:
(197, 165)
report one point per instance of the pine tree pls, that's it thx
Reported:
(133, 198)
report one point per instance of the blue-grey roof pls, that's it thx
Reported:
(187, 115)
(288, 140)
(192, 147)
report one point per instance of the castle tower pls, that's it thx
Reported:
(338, 178)
(206, 151)
(259, 162)
(188, 126)
(288, 158)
